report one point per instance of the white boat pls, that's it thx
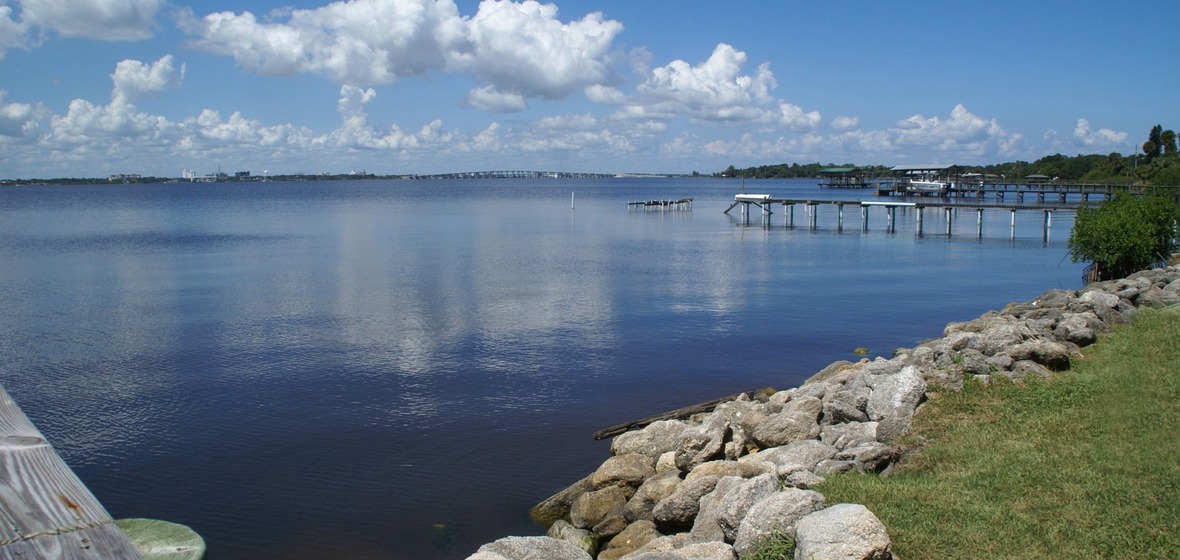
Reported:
(928, 187)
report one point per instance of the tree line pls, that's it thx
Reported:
(1158, 164)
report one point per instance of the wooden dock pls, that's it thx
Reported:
(1045, 191)
(949, 207)
(45, 510)
(661, 205)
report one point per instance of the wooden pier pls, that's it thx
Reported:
(949, 209)
(661, 205)
(1041, 192)
(45, 510)
(46, 513)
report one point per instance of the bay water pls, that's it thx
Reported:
(400, 369)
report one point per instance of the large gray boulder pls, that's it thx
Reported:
(842, 532)
(892, 403)
(1004, 336)
(581, 538)
(649, 494)
(592, 508)
(1055, 298)
(744, 469)
(629, 469)
(1052, 355)
(654, 440)
(841, 436)
(1079, 328)
(680, 509)
(1025, 369)
(529, 548)
(881, 367)
(701, 443)
(776, 513)
(725, 507)
(634, 536)
(786, 427)
(802, 455)
(846, 405)
(934, 363)
(558, 505)
(1157, 298)
(869, 456)
(973, 362)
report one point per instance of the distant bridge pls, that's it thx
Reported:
(515, 175)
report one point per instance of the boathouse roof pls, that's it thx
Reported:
(910, 168)
(838, 170)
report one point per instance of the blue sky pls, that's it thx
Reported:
(96, 87)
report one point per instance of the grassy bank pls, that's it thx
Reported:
(1086, 465)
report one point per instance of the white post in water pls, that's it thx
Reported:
(571, 201)
(979, 223)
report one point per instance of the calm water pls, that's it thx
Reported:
(399, 370)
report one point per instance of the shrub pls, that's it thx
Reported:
(1125, 234)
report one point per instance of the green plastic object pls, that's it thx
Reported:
(162, 540)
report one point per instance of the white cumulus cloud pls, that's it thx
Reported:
(356, 42)
(844, 124)
(86, 122)
(961, 132)
(518, 50)
(523, 48)
(20, 120)
(714, 91)
(356, 132)
(13, 34)
(132, 78)
(1102, 139)
(494, 101)
(111, 20)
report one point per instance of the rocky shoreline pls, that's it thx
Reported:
(714, 486)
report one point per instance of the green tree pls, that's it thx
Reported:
(1150, 148)
(1125, 234)
(1154, 137)
(1168, 139)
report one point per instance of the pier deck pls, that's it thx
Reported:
(918, 204)
(46, 510)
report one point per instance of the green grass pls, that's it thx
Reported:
(777, 546)
(1085, 465)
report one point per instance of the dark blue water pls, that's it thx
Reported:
(401, 369)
